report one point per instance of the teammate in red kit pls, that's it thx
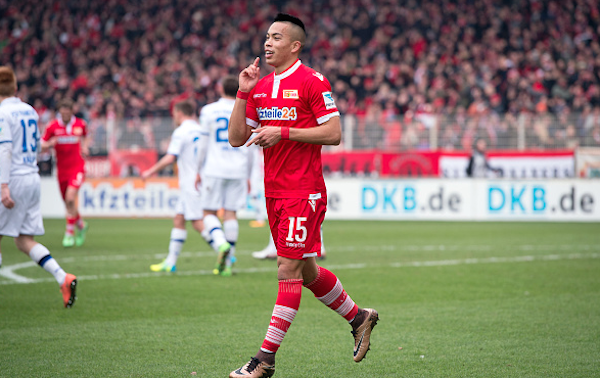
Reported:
(292, 114)
(67, 135)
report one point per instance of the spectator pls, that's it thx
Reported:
(478, 165)
(439, 55)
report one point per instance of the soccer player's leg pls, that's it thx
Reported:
(235, 195)
(81, 226)
(71, 217)
(291, 262)
(213, 234)
(329, 290)
(178, 237)
(212, 198)
(40, 254)
(231, 231)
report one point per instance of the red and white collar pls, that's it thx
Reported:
(69, 126)
(288, 71)
(277, 78)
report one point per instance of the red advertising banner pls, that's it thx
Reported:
(515, 164)
(97, 166)
(379, 163)
(127, 163)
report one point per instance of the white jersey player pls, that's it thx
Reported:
(20, 215)
(187, 147)
(226, 170)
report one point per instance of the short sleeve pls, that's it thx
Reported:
(320, 98)
(251, 114)
(5, 132)
(176, 143)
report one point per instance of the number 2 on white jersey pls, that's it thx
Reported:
(295, 226)
(225, 125)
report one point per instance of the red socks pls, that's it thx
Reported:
(286, 307)
(70, 225)
(329, 290)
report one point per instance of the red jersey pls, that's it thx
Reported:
(298, 97)
(68, 145)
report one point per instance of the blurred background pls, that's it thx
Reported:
(417, 82)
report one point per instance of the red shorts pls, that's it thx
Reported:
(296, 226)
(75, 180)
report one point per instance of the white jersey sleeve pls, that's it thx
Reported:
(222, 160)
(186, 145)
(19, 126)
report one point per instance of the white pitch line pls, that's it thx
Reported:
(8, 272)
(413, 264)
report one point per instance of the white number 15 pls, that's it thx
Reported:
(295, 226)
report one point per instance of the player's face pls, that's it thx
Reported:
(65, 113)
(278, 44)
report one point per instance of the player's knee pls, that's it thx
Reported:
(23, 243)
(289, 269)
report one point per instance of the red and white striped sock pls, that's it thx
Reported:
(329, 290)
(286, 307)
(79, 222)
(70, 230)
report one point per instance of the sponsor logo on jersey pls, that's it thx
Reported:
(318, 76)
(257, 95)
(328, 99)
(277, 114)
(295, 245)
(290, 93)
(67, 139)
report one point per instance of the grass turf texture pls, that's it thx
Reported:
(454, 310)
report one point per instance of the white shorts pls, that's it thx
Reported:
(190, 205)
(220, 193)
(25, 218)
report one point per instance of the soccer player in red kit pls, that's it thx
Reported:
(291, 113)
(67, 135)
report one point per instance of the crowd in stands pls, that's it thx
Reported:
(482, 67)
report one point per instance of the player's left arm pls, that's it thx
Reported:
(85, 141)
(5, 162)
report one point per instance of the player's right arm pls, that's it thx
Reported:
(48, 139)
(239, 131)
(5, 161)
(170, 157)
(165, 161)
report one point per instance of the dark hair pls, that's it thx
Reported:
(65, 103)
(230, 85)
(284, 17)
(185, 107)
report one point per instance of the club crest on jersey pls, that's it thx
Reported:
(291, 93)
(277, 114)
(77, 131)
(318, 76)
(328, 99)
(313, 204)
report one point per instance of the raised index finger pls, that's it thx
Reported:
(256, 62)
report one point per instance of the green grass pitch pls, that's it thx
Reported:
(455, 300)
